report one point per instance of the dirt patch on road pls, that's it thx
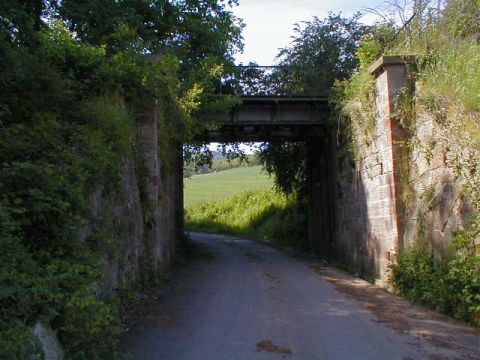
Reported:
(447, 338)
(271, 277)
(251, 256)
(267, 345)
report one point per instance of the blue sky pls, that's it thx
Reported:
(269, 23)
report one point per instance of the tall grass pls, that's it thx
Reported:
(455, 75)
(266, 214)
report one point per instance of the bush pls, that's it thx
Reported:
(269, 214)
(71, 93)
(449, 284)
(56, 147)
(57, 291)
(454, 75)
(90, 329)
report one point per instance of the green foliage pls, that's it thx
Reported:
(454, 75)
(267, 214)
(191, 30)
(445, 39)
(225, 164)
(354, 101)
(324, 51)
(14, 259)
(434, 27)
(449, 283)
(75, 80)
(374, 44)
(57, 291)
(287, 161)
(446, 42)
(203, 164)
(89, 321)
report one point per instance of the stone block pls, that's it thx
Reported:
(49, 343)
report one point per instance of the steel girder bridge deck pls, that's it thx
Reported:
(270, 117)
(268, 109)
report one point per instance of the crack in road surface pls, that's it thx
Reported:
(249, 298)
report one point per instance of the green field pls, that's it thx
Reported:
(201, 188)
(266, 214)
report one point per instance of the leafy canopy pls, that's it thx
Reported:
(322, 51)
(75, 78)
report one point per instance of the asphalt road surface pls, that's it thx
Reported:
(251, 301)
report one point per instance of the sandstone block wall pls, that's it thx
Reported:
(124, 217)
(368, 204)
(145, 233)
(437, 207)
(388, 201)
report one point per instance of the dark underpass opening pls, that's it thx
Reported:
(275, 191)
(281, 189)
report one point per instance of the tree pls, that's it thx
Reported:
(73, 76)
(322, 51)
(192, 30)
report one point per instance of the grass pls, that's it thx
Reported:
(202, 188)
(455, 75)
(266, 214)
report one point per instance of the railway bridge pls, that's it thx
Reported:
(355, 210)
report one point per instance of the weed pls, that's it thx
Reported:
(448, 282)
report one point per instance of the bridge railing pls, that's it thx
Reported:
(271, 81)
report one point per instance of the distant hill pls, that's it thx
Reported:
(221, 163)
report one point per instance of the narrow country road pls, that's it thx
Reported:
(250, 301)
